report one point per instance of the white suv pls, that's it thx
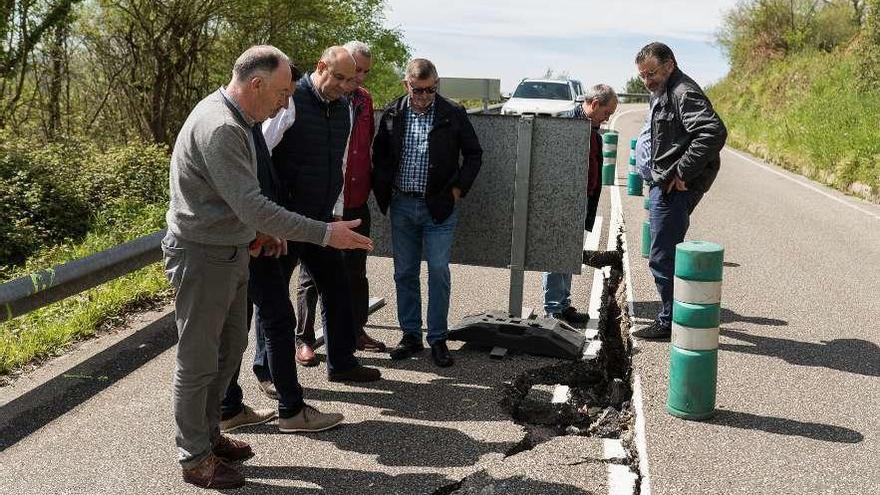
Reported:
(543, 97)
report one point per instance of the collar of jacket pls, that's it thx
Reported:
(674, 79)
(305, 84)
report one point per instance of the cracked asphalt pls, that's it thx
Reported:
(98, 420)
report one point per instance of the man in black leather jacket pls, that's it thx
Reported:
(686, 140)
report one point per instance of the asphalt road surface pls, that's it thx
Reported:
(799, 362)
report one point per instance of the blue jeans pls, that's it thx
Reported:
(670, 218)
(557, 292)
(413, 232)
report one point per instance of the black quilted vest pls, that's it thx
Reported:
(309, 157)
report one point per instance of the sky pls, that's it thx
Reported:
(594, 41)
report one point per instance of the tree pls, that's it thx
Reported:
(153, 54)
(23, 25)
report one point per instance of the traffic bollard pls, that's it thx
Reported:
(696, 317)
(609, 157)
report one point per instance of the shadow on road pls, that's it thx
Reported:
(649, 309)
(856, 356)
(782, 426)
(36, 408)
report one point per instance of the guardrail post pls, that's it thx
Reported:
(696, 317)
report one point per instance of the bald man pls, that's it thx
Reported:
(309, 163)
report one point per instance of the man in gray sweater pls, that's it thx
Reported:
(215, 211)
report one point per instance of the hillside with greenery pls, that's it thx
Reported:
(92, 94)
(804, 88)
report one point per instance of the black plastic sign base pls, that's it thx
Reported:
(539, 336)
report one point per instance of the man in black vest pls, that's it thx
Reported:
(309, 161)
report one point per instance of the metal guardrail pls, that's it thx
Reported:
(30, 292)
(488, 109)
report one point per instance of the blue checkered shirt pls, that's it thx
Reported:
(413, 175)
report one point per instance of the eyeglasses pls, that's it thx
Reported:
(423, 91)
(650, 74)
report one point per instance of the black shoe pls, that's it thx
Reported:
(357, 374)
(440, 354)
(654, 331)
(409, 345)
(572, 316)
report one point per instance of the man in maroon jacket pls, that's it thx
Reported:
(356, 191)
(599, 103)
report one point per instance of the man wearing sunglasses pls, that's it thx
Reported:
(425, 158)
(686, 137)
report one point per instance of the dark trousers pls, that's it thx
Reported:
(355, 266)
(276, 321)
(670, 219)
(592, 207)
(267, 290)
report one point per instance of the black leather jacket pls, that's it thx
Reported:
(686, 134)
(451, 139)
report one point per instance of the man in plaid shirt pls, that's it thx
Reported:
(425, 158)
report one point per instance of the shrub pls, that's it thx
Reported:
(35, 208)
(54, 192)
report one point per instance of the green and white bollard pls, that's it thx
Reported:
(696, 317)
(646, 238)
(609, 157)
(633, 180)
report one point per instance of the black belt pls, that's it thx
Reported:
(412, 194)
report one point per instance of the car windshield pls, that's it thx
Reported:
(543, 89)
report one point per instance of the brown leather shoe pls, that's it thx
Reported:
(305, 356)
(231, 450)
(212, 472)
(367, 343)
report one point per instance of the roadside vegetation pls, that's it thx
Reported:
(804, 88)
(92, 94)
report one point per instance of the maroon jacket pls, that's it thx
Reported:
(359, 165)
(594, 163)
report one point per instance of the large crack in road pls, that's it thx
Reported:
(599, 399)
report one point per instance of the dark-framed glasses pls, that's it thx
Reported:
(423, 91)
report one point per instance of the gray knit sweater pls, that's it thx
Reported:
(215, 196)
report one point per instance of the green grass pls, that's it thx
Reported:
(49, 330)
(806, 114)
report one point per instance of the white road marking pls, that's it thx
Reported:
(638, 408)
(561, 394)
(621, 481)
(612, 449)
(799, 182)
(640, 438)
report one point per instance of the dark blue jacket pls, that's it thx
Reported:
(309, 157)
(454, 155)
